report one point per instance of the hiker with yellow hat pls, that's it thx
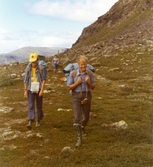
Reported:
(34, 83)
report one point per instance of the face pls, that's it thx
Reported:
(82, 66)
(34, 63)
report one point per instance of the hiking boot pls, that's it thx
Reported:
(79, 136)
(29, 125)
(83, 132)
(37, 123)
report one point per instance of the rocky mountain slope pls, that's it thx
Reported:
(128, 25)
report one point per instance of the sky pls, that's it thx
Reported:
(46, 23)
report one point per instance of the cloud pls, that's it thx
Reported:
(4, 31)
(61, 40)
(22, 38)
(10, 40)
(76, 10)
(62, 32)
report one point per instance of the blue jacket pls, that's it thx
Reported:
(83, 87)
(41, 72)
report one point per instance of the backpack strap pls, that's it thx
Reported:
(74, 73)
(40, 68)
(89, 73)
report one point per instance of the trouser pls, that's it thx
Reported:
(34, 112)
(55, 66)
(81, 112)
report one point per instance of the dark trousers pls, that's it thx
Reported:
(81, 112)
(34, 111)
(55, 66)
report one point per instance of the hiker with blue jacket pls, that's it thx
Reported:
(34, 84)
(81, 81)
(55, 62)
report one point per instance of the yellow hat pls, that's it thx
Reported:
(33, 57)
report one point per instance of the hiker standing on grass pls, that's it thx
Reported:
(34, 83)
(55, 62)
(80, 82)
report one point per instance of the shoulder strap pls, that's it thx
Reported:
(89, 73)
(41, 68)
(74, 73)
(72, 67)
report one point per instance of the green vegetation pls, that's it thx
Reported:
(5, 81)
(121, 94)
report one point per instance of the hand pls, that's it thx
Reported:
(79, 80)
(40, 93)
(25, 94)
(90, 84)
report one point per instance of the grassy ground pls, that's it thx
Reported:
(123, 93)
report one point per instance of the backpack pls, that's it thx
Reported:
(42, 65)
(73, 67)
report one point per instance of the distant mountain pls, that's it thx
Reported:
(22, 55)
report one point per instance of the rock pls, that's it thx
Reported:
(47, 91)
(5, 109)
(6, 134)
(61, 109)
(66, 151)
(23, 74)
(92, 116)
(120, 125)
(39, 135)
(104, 125)
(114, 69)
(46, 157)
(31, 133)
(13, 75)
(117, 125)
(10, 135)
